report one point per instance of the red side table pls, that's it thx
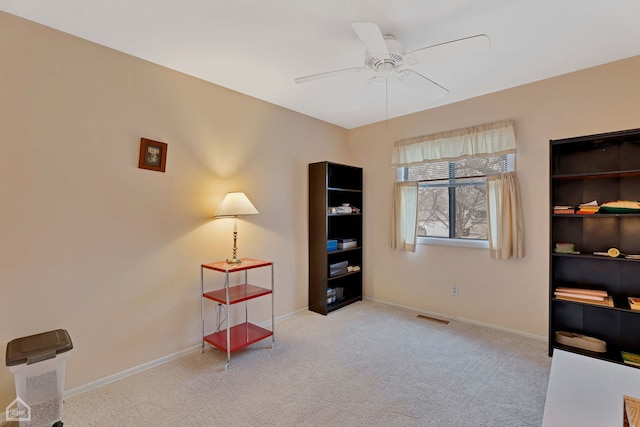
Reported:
(244, 334)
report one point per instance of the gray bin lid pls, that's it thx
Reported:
(38, 347)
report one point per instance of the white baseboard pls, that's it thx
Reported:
(120, 375)
(284, 316)
(154, 363)
(131, 371)
(463, 320)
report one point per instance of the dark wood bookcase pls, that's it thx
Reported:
(603, 167)
(332, 185)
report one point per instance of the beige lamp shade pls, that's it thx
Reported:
(234, 204)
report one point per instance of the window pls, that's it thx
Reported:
(452, 198)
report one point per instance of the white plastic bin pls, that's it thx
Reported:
(38, 365)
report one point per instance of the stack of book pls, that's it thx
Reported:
(589, 296)
(588, 208)
(564, 210)
(634, 303)
(630, 358)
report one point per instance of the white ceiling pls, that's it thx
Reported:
(258, 47)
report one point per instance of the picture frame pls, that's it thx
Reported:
(153, 155)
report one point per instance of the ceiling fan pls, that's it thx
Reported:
(385, 56)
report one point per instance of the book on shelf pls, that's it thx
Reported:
(583, 291)
(607, 302)
(588, 208)
(587, 211)
(634, 303)
(564, 210)
(578, 295)
(587, 295)
(630, 358)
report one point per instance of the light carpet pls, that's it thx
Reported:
(367, 364)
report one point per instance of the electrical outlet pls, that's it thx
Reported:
(454, 290)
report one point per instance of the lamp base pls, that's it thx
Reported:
(234, 259)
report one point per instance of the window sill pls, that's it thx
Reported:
(463, 243)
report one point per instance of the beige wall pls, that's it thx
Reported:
(509, 294)
(110, 252)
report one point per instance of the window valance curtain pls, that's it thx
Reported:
(491, 139)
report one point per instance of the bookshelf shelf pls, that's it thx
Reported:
(619, 304)
(598, 257)
(598, 215)
(608, 174)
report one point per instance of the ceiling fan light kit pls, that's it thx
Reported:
(385, 62)
(386, 57)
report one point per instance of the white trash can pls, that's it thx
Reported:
(38, 365)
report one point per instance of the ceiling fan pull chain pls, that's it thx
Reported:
(386, 101)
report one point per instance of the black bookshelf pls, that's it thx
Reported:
(332, 185)
(603, 167)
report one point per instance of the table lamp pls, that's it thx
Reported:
(233, 205)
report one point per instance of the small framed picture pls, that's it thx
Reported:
(153, 155)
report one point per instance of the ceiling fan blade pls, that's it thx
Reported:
(365, 95)
(418, 82)
(474, 44)
(371, 37)
(324, 75)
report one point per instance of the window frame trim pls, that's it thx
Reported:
(402, 173)
(453, 241)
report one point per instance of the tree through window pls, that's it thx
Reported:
(452, 196)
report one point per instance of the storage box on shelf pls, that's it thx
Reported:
(347, 243)
(335, 236)
(602, 168)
